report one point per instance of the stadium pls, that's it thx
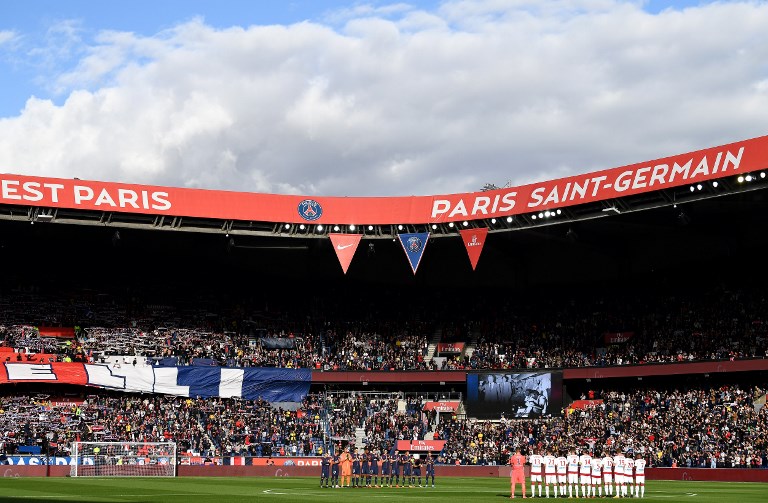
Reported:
(223, 344)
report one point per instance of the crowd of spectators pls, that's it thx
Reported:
(716, 325)
(203, 427)
(721, 426)
(593, 331)
(379, 419)
(697, 427)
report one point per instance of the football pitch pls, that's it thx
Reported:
(298, 489)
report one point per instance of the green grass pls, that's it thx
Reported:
(306, 490)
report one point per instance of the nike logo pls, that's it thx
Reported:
(340, 247)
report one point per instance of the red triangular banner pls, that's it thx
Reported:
(474, 239)
(345, 246)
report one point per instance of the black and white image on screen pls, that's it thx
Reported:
(523, 395)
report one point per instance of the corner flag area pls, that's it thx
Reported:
(296, 489)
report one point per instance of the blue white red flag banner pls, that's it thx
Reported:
(270, 384)
(345, 246)
(414, 245)
(474, 239)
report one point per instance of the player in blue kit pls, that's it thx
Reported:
(417, 469)
(395, 470)
(365, 470)
(335, 460)
(430, 471)
(407, 463)
(385, 470)
(325, 470)
(375, 469)
(356, 471)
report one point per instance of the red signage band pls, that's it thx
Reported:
(708, 164)
(449, 406)
(617, 337)
(433, 446)
(450, 347)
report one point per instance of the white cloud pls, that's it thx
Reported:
(7, 36)
(401, 101)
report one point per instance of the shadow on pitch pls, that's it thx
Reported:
(42, 499)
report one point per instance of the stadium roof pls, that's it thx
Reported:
(705, 174)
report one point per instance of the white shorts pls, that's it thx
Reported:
(628, 477)
(586, 479)
(640, 479)
(550, 478)
(535, 477)
(561, 478)
(619, 478)
(607, 477)
(573, 478)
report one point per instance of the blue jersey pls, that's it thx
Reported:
(325, 466)
(374, 465)
(385, 466)
(407, 465)
(356, 467)
(365, 466)
(430, 466)
(335, 464)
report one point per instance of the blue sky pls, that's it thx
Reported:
(372, 98)
(33, 20)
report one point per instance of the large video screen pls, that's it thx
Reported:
(514, 395)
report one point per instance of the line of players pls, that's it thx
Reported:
(617, 476)
(371, 470)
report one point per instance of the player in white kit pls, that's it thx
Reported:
(536, 461)
(629, 465)
(550, 470)
(618, 473)
(573, 474)
(607, 463)
(585, 472)
(639, 477)
(596, 463)
(561, 462)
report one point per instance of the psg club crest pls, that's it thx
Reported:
(414, 244)
(309, 209)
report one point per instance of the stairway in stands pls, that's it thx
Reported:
(471, 345)
(433, 342)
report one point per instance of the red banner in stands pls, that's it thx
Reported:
(345, 246)
(450, 406)
(57, 372)
(695, 167)
(474, 239)
(59, 332)
(450, 347)
(66, 402)
(617, 337)
(421, 445)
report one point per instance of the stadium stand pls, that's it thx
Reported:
(692, 427)
(718, 324)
